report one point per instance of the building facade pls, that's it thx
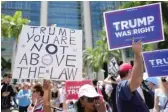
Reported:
(83, 15)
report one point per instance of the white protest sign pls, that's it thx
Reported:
(113, 66)
(49, 52)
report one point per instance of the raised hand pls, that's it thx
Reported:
(137, 47)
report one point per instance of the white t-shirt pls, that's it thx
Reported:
(62, 95)
(139, 89)
(142, 95)
(162, 99)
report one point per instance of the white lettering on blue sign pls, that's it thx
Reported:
(158, 62)
(138, 22)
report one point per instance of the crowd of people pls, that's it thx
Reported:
(127, 92)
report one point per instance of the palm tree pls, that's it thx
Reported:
(95, 57)
(11, 27)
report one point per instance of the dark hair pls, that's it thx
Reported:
(79, 106)
(38, 88)
(123, 73)
(104, 93)
(7, 75)
(95, 82)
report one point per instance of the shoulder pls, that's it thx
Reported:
(123, 90)
(123, 83)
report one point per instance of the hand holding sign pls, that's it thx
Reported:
(137, 47)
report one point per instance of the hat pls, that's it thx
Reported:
(125, 67)
(88, 91)
(153, 80)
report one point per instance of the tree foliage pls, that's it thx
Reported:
(12, 25)
(100, 54)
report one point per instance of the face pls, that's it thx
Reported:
(7, 79)
(165, 83)
(88, 103)
(151, 85)
(26, 87)
(35, 94)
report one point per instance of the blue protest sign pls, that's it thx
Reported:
(156, 63)
(141, 23)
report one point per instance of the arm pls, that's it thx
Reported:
(19, 95)
(47, 96)
(156, 106)
(137, 71)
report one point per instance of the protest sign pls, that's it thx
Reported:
(72, 88)
(156, 63)
(141, 23)
(113, 66)
(49, 52)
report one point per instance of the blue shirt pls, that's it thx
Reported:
(23, 97)
(128, 101)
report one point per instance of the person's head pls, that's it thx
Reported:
(26, 85)
(95, 82)
(37, 91)
(125, 71)
(164, 83)
(152, 82)
(7, 77)
(87, 95)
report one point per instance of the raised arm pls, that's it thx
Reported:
(47, 96)
(137, 71)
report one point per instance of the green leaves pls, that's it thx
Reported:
(96, 57)
(12, 25)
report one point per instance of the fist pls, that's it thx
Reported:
(137, 47)
(47, 85)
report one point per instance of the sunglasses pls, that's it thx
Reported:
(164, 80)
(90, 100)
(33, 91)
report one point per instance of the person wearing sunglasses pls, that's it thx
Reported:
(89, 100)
(161, 96)
(41, 98)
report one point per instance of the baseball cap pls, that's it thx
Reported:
(88, 91)
(125, 67)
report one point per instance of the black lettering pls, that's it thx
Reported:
(31, 71)
(35, 58)
(72, 73)
(72, 39)
(24, 58)
(72, 31)
(56, 39)
(60, 60)
(36, 47)
(39, 72)
(63, 48)
(37, 38)
(67, 59)
(62, 32)
(63, 72)
(51, 73)
(51, 52)
(29, 37)
(42, 29)
(52, 32)
(43, 40)
(21, 68)
(63, 38)
(34, 27)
